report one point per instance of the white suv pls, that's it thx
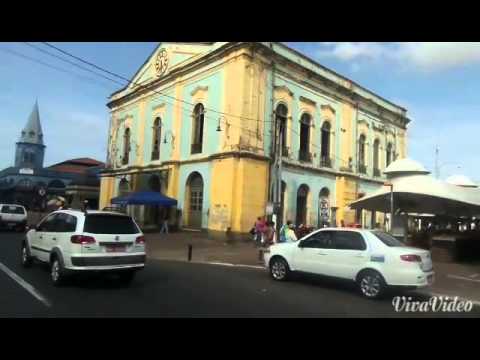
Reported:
(13, 216)
(74, 241)
(373, 259)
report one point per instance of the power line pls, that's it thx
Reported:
(71, 62)
(165, 95)
(12, 52)
(141, 85)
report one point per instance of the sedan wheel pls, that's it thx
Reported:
(26, 258)
(279, 269)
(371, 284)
(56, 273)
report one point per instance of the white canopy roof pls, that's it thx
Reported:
(461, 180)
(405, 166)
(422, 193)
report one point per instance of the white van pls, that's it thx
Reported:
(13, 216)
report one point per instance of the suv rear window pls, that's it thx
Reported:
(110, 224)
(388, 239)
(12, 209)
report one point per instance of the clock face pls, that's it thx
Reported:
(161, 64)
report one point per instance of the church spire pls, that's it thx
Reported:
(32, 132)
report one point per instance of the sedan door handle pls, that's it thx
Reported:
(321, 253)
(55, 239)
(41, 237)
(359, 256)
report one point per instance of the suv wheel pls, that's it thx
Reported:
(371, 284)
(26, 257)
(57, 272)
(279, 269)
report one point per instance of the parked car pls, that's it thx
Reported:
(95, 241)
(373, 259)
(13, 216)
(118, 209)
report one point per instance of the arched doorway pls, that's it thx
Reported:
(302, 196)
(194, 200)
(324, 208)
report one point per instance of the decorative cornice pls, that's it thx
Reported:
(307, 100)
(363, 121)
(284, 88)
(328, 107)
(197, 89)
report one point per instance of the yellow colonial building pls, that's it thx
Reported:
(209, 124)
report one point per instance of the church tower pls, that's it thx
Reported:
(30, 149)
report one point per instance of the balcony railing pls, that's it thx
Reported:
(325, 161)
(362, 169)
(285, 152)
(125, 160)
(155, 155)
(304, 156)
(196, 148)
(376, 172)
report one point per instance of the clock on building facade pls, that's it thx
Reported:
(161, 63)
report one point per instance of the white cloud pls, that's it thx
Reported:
(424, 56)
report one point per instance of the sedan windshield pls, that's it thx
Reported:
(388, 239)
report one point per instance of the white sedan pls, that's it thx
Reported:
(375, 260)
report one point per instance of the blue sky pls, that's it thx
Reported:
(438, 83)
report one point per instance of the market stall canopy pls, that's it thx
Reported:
(144, 198)
(422, 193)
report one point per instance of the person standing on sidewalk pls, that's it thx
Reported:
(164, 228)
(290, 234)
(269, 233)
(283, 231)
(260, 226)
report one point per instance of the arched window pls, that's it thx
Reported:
(324, 208)
(302, 196)
(361, 155)
(197, 129)
(376, 154)
(281, 114)
(126, 146)
(325, 160)
(389, 154)
(304, 153)
(157, 136)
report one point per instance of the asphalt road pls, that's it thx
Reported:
(177, 289)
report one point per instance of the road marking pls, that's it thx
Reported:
(462, 278)
(474, 276)
(232, 265)
(25, 285)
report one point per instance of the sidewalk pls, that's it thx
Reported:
(451, 279)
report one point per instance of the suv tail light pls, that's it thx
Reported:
(140, 240)
(411, 258)
(82, 239)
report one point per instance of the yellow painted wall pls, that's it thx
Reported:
(224, 174)
(346, 193)
(106, 191)
(253, 194)
(346, 136)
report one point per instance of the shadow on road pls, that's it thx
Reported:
(351, 287)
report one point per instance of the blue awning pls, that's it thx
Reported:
(144, 198)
